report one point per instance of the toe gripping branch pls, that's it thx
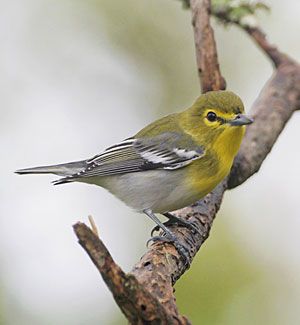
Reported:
(168, 236)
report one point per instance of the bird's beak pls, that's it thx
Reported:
(241, 120)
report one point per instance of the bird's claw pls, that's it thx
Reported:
(181, 249)
(173, 220)
(156, 228)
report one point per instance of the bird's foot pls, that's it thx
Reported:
(173, 220)
(171, 238)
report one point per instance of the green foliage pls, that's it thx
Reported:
(233, 11)
(185, 3)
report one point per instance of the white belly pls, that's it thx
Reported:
(158, 190)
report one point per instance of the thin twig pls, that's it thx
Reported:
(269, 49)
(93, 226)
(257, 34)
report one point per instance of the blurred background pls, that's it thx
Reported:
(77, 76)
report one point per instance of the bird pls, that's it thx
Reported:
(169, 164)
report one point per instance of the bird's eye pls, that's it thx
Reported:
(211, 116)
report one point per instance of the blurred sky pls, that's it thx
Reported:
(77, 76)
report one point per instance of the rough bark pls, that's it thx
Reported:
(145, 295)
(206, 50)
(135, 301)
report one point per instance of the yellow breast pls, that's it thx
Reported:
(207, 172)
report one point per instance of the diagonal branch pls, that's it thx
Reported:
(259, 37)
(274, 107)
(251, 27)
(138, 305)
(145, 295)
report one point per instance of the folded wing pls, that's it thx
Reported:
(168, 150)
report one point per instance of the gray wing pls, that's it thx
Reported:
(169, 150)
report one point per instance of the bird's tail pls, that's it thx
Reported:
(67, 169)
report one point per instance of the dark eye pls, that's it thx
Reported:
(211, 116)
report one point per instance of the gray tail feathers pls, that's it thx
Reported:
(68, 169)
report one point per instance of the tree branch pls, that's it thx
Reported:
(251, 27)
(206, 51)
(138, 305)
(145, 295)
(274, 107)
(270, 50)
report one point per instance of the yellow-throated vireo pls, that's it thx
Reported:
(169, 164)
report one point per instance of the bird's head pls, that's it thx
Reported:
(217, 115)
